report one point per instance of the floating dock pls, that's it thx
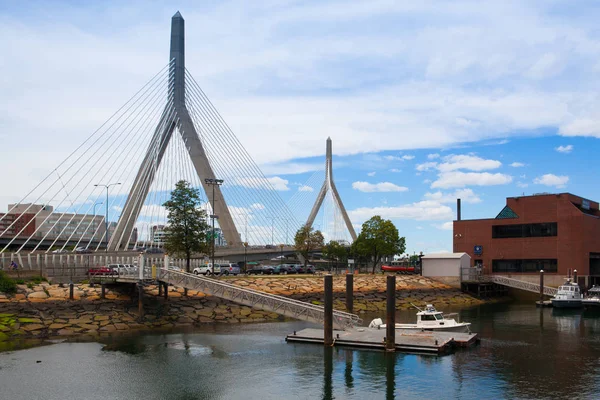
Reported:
(545, 303)
(408, 341)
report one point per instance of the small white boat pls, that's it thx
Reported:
(429, 320)
(592, 299)
(567, 296)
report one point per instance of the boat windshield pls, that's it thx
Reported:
(439, 316)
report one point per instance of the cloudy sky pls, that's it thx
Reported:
(424, 101)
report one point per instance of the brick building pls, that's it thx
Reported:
(553, 232)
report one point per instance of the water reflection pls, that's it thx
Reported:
(525, 353)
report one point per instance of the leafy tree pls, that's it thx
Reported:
(378, 238)
(186, 232)
(307, 240)
(334, 250)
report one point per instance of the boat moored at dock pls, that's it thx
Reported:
(568, 296)
(592, 298)
(429, 319)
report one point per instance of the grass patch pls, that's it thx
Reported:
(7, 285)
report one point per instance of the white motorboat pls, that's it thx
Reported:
(592, 299)
(429, 319)
(567, 296)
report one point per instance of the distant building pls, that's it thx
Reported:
(553, 232)
(157, 233)
(41, 221)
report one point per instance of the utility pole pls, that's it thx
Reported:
(106, 217)
(213, 216)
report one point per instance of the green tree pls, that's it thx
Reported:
(307, 240)
(186, 230)
(378, 238)
(334, 250)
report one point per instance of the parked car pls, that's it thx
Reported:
(300, 268)
(310, 269)
(261, 270)
(175, 268)
(154, 250)
(207, 269)
(284, 269)
(139, 249)
(101, 271)
(230, 269)
(59, 251)
(82, 250)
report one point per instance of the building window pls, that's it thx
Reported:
(527, 265)
(525, 230)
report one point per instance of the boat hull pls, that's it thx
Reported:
(567, 303)
(591, 303)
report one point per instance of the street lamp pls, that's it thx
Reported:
(245, 256)
(213, 182)
(106, 217)
(94, 219)
(281, 257)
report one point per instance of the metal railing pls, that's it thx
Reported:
(523, 285)
(257, 299)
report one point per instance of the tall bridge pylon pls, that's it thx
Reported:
(329, 186)
(175, 116)
(109, 192)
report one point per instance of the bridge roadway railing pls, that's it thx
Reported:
(257, 299)
(523, 285)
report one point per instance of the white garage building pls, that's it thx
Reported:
(445, 267)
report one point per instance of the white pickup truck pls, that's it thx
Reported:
(220, 269)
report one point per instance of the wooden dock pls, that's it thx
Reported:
(408, 341)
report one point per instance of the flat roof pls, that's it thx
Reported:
(445, 255)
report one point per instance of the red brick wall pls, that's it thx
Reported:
(578, 233)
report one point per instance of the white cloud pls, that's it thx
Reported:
(522, 184)
(377, 187)
(517, 165)
(395, 170)
(407, 157)
(154, 211)
(427, 166)
(305, 188)
(461, 179)
(279, 183)
(432, 156)
(552, 180)
(420, 211)
(392, 158)
(446, 226)
(473, 163)
(564, 149)
(371, 173)
(291, 168)
(581, 127)
(257, 206)
(466, 196)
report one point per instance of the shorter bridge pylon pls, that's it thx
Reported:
(329, 186)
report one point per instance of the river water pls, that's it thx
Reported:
(524, 353)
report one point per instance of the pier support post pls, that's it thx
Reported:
(390, 320)
(160, 287)
(103, 291)
(350, 293)
(575, 277)
(140, 300)
(166, 291)
(541, 287)
(328, 308)
(71, 290)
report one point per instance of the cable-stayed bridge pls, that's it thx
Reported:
(108, 193)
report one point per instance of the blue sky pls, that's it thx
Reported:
(482, 85)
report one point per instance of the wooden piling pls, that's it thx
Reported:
(349, 293)
(328, 309)
(575, 277)
(103, 291)
(166, 291)
(71, 287)
(160, 287)
(390, 320)
(140, 300)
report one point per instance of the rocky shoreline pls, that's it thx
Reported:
(45, 311)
